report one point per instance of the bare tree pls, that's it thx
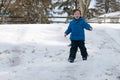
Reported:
(34, 11)
(105, 6)
(4, 5)
(83, 6)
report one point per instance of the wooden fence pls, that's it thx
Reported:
(22, 20)
(12, 20)
(93, 20)
(105, 20)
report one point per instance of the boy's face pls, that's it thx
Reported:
(76, 15)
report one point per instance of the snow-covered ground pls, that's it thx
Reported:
(40, 52)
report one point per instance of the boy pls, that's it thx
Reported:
(77, 37)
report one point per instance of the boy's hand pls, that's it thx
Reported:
(65, 35)
(91, 28)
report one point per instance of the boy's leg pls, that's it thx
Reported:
(73, 50)
(83, 50)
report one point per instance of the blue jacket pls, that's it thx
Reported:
(76, 28)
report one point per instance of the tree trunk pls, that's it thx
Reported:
(83, 6)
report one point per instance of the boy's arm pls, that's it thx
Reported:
(87, 26)
(67, 31)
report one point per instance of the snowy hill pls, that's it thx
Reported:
(40, 52)
(113, 17)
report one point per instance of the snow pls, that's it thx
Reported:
(92, 4)
(112, 17)
(40, 52)
(112, 14)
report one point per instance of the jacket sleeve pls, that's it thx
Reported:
(68, 29)
(86, 25)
